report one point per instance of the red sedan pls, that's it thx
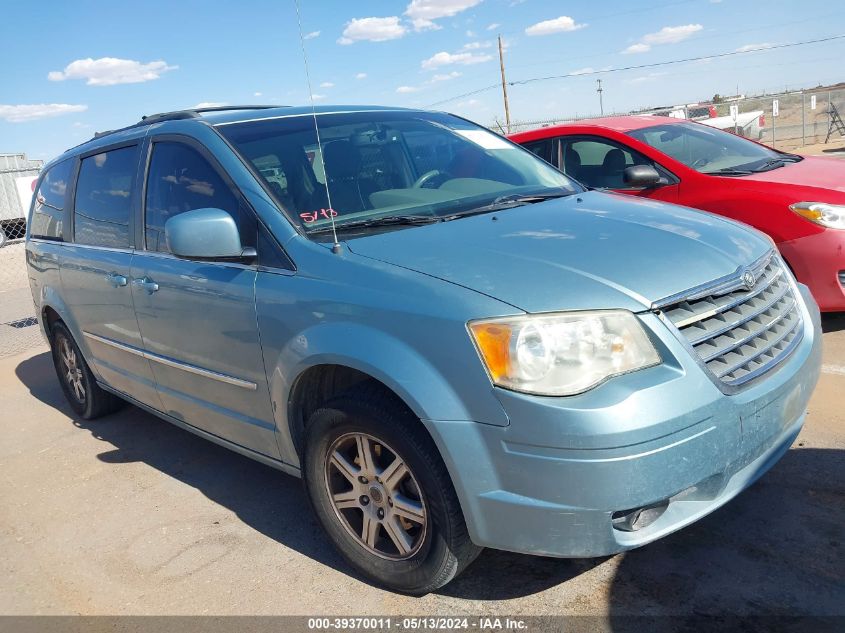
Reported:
(799, 201)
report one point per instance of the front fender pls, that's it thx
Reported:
(387, 359)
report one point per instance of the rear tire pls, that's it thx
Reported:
(83, 393)
(405, 532)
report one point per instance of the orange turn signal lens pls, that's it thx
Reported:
(814, 215)
(493, 341)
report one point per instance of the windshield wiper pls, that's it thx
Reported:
(390, 220)
(729, 171)
(780, 161)
(506, 202)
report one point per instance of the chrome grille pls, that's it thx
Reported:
(737, 332)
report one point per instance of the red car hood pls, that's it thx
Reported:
(814, 171)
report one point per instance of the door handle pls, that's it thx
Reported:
(116, 280)
(145, 283)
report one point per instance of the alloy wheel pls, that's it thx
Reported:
(376, 496)
(72, 370)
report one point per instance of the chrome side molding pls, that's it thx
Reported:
(164, 360)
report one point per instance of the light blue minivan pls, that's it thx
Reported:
(452, 343)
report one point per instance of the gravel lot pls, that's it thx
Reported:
(130, 515)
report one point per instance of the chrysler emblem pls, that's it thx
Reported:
(748, 279)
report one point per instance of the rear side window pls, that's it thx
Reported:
(543, 149)
(103, 202)
(48, 212)
(181, 180)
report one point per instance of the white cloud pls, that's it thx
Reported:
(445, 59)
(672, 34)
(644, 78)
(109, 71)
(750, 47)
(372, 30)
(211, 104)
(637, 48)
(470, 33)
(474, 46)
(407, 89)
(361, 76)
(317, 97)
(452, 75)
(583, 71)
(257, 94)
(666, 35)
(467, 103)
(327, 84)
(311, 35)
(423, 12)
(563, 24)
(21, 113)
(494, 26)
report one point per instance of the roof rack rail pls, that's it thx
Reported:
(187, 113)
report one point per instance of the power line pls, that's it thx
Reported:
(523, 82)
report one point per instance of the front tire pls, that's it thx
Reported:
(382, 493)
(83, 393)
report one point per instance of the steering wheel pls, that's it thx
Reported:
(426, 178)
(700, 162)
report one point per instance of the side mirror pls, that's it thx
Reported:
(205, 234)
(643, 176)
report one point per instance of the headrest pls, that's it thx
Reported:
(342, 160)
(614, 160)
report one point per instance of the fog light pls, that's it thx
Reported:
(638, 518)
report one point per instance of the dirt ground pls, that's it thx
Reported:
(130, 515)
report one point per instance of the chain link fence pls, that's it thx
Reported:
(19, 329)
(804, 117)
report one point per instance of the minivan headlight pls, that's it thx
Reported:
(564, 353)
(830, 215)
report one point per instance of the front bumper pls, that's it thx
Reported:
(817, 261)
(550, 482)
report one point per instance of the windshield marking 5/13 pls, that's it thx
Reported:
(388, 165)
(711, 151)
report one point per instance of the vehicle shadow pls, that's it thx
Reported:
(266, 499)
(775, 549)
(833, 322)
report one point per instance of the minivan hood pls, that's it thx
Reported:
(591, 251)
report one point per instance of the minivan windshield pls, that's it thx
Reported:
(390, 168)
(711, 151)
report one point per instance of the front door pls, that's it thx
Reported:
(197, 318)
(600, 163)
(95, 272)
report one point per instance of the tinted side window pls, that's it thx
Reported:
(181, 180)
(48, 212)
(542, 148)
(103, 202)
(599, 163)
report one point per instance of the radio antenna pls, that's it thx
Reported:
(330, 211)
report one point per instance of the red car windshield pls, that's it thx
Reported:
(709, 150)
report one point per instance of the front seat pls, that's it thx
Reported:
(612, 169)
(342, 162)
(572, 163)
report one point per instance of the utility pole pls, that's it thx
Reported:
(601, 103)
(504, 87)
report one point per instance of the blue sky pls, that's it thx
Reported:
(72, 68)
